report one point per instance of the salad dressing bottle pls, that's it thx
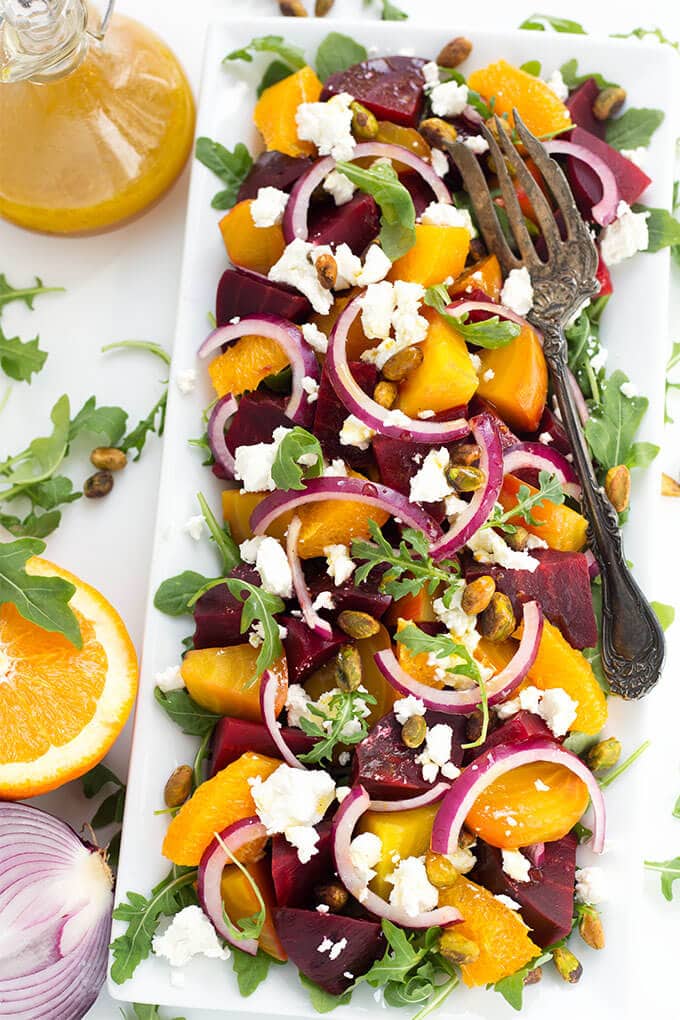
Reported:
(96, 116)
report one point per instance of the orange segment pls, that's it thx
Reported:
(221, 680)
(415, 663)
(275, 111)
(61, 708)
(255, 248)
(561, 527)
(538, 106)
(245, 364)
(500, 933)
(241, 902)
(217, 803)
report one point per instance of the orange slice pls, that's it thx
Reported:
(540, 109)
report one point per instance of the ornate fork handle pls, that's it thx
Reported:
(633, 644)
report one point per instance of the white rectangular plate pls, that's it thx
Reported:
(636, 971)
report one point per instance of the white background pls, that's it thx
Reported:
(123, 285)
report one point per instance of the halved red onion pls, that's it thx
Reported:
(309, 613)
(289, 337)
(295, 216)
(223, 410)
(541, 457)
(269, 687)
(498, 688)
(593, 565)
(459, 308)
(388, 423)
(535, 853)
(213, 862)
(579, 399)
(604, 211)
(430, 796)
(355, 490)
(55, 917)
(495, 763)
(348, 814)
(484, 499)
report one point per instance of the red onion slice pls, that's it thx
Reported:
(484, 499)
(223, 410)
(604, 211)
(579, 399)
(535, 853)
(213, 863)
(407, 803)
(356, 490)
(269, 686)
(541, 457)
(295, 216)
(289, 337)
(463, 702)
(495, 763)
(309, 614)
(593, 565)
(365, 408)
(350, 811)
(458, 308)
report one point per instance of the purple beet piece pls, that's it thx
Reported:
(293, 881)
(273, 169)
(241, 292)
(580, 106)
(233, 737)
(420, 192)
(363, 598)
(398, 462)
(387, 768)
(551, 425)
(305, 650)
(303, 931)
(585, 183)
(257, 416)
(217, 614)
(479, 406)
(518, 728)
(331, 413)
(560, 584)
(355, 223)
(547, 900)
(390, 87)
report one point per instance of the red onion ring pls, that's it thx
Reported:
(309, 614)
(593, 565)
(357, 490)
(302, 358)
(213, 863)
(541, 457)
(295, 216)
(364, 407)
(496, 762)
(225, 407)
(348, 814)
(430, 796)
(484, 499)
(535, 853)
(269, 685)
(604, 211)
(459, 308)
(579, 399)
(464, 702)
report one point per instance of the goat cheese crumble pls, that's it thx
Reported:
(317, 340)
(297, 270)
(591, 885)
(405, 708)
(393, 307)
(412, 890)
(268, 207)
(355, 433)
(195, 527)
(624, 237)
(442, 214)
(169, 679)
(339, 565)
(189, 934)
(476, 144)
(558, 85)
(328, 125)
(271, 563)
(448, 99)
(292, 801)
(487, 546)
(365, 852)
(516, 865)
(518, 293)
(554, 706)
(186, 381)
(339, 186)
(440, 162)
(430, 483)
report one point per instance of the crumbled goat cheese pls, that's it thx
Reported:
(311, 388)
(599, 359)
(518, 293)
(297, 704)
(324, 945)
(328, 125)
(624, 237)
(189, 934)
(557, 83)
(545, 438)
(324, 600)
(169, 679)
(629, 389)
(195, 527)
(406, 708)
(271, 563)
(412, 890)
(454, 505)
(365, 852)
(591, 886)
(440, 162)
(489, 547)
(489, 375)
(297, 270)
(340, 566)
(186, 380)
(637, 156)
(344, 758)
(355, 433)
(408, 325)
(339, 186)
(554, 706)
(430, 72)
(437, 751)
(293, 801)
(337, 948)
(253, 464)
(323, 908)
(516, 865)
(430, 482)
(377, 307)
(336, 469)
(476, 144)
(375, 268)
(448, 99)
(476, 363)
(268, 206)
(441, 214)
(424, 415)
(507, 901)
(317, 340)
(342, 792)
(462, 859)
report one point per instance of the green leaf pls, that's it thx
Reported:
(140, 345)
(43, 601)
(633, 128)
(220, 534)
(578, 743)
(613, 423)
(146, 1012)
(532, 67)
(540, 22)
(51, 493)
(97, 778)
(110, 811)
(185, 713)
(397, 212)
(490, 333)
(26, 294)
(572, 79)
(21, 360)
(390, 12)
(153, 423)
(260, 605)
(275, 73)
(345, 707)
(512, 987)
(642, 454)
(42, 456)
(669, 872)
(549, 488)
(400, 957)
(230, 167)
(641, 33)
(676, 809)
(250, 971)
(289, 467)
(663, 228)
(291, 55)
(322, 1001)
(33, 525)
(175, 594)
(108, 422)
(665, 614)
(672, 362)
(411, 566)
(336, 53)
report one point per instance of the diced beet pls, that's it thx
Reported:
(273, 169)
(233, 737)
(390, 87)
(303, 931)
(355, 223)
(603, 278)
(305, 650)
(507, 436)
(551, 425)
(420, 192)
(585, 183)
(331, 413)
(518, 728)
(547, 899)
(397, 464)
(217, 614)
(580, 106)
(560, 584)
(241, 292)
(257, 416)
(387, 768)
(362, 598)
(293, 881)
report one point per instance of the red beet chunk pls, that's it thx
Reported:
(604, 279)
(363, 598)
(233, 737)
(560, 583)
(294, 882)
(257, 416)
(507, 436)
(273, 170)
(551, 425)
(331, 413)
(585, 183)
(421, 192)
(547, 899)
(390, 87)
(580, 106)
(518, 728)
(355, 223)
(241, 292)
(217, 614)
(305, 650)
(303, 931)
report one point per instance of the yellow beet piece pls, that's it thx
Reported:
(275, 110)
(518, 380)
(445, 378)
(221, 680)
(560, 526)
(325, 678)
(406, 833)
(244, 365)
(240, 902)
(248, 246)
(538, 106)
(437, 253)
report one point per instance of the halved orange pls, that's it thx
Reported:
(61, 707)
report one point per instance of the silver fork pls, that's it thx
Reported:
(633, 644)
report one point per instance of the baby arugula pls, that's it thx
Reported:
(299, 456)
(410, 567)
(230, 167)
(397, 212)
(345, 710)
(549, 488)
(43, 601)
(490, 333)
(21, 360)
(668, 871)
(110, 811)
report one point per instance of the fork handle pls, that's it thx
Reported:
(633, 645)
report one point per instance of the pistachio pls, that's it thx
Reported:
(292, 9)
(364, 123)
(517, 539)
(608, 102)
(590, 928)
(617, 487)
(466, 839)
(455, 948)
(477, 595)
(440, 870)
(669, 486)
(466, 454)
(604, 755)
(455, 52)
(322, 7)
(402, 363)
(178, 786)
(437, 132)
(465, 478)
(326, 270)
(567, 965)
(108, 458)
(385, 394)
(348, 668)
(98, 485)
(474, 724)
(332, 895)
(414, 731)
(534, 976)
(357, 624)
(497, 622)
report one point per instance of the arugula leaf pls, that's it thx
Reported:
(47, 495)
(676, 809)
(260, 605)
(21, 360)
(512, 987)
(140, 345)
(43, 601)
(191, 718)
(26, 294)
(148, 1012)
(624, 766)
(250, 971)
(321, 1000)
(669, 872)
(175, 593)
(275, 73)
(153, 423)
(42, 456)
(33, 525)
(220, 534)
(292, 462)
(390, 12)
(412, 969)
(97, 778)
(344, 708)
(108, 422)
(675, 248)
(336, 53)
(572, 79)
(549, 488)
(539, 23)
(633, 128)
(490, 333)
(411, 566)
(641, 33)
(397, 212)
(291, 55)
(613, 423)
(230, 167)
(665, 614)
(52, 492)
(663, 228)
(532, 67)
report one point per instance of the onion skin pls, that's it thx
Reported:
(604, 212)
(309, 614)
(269, 685)
(225, 407)
(459, 308)
(541, 457)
